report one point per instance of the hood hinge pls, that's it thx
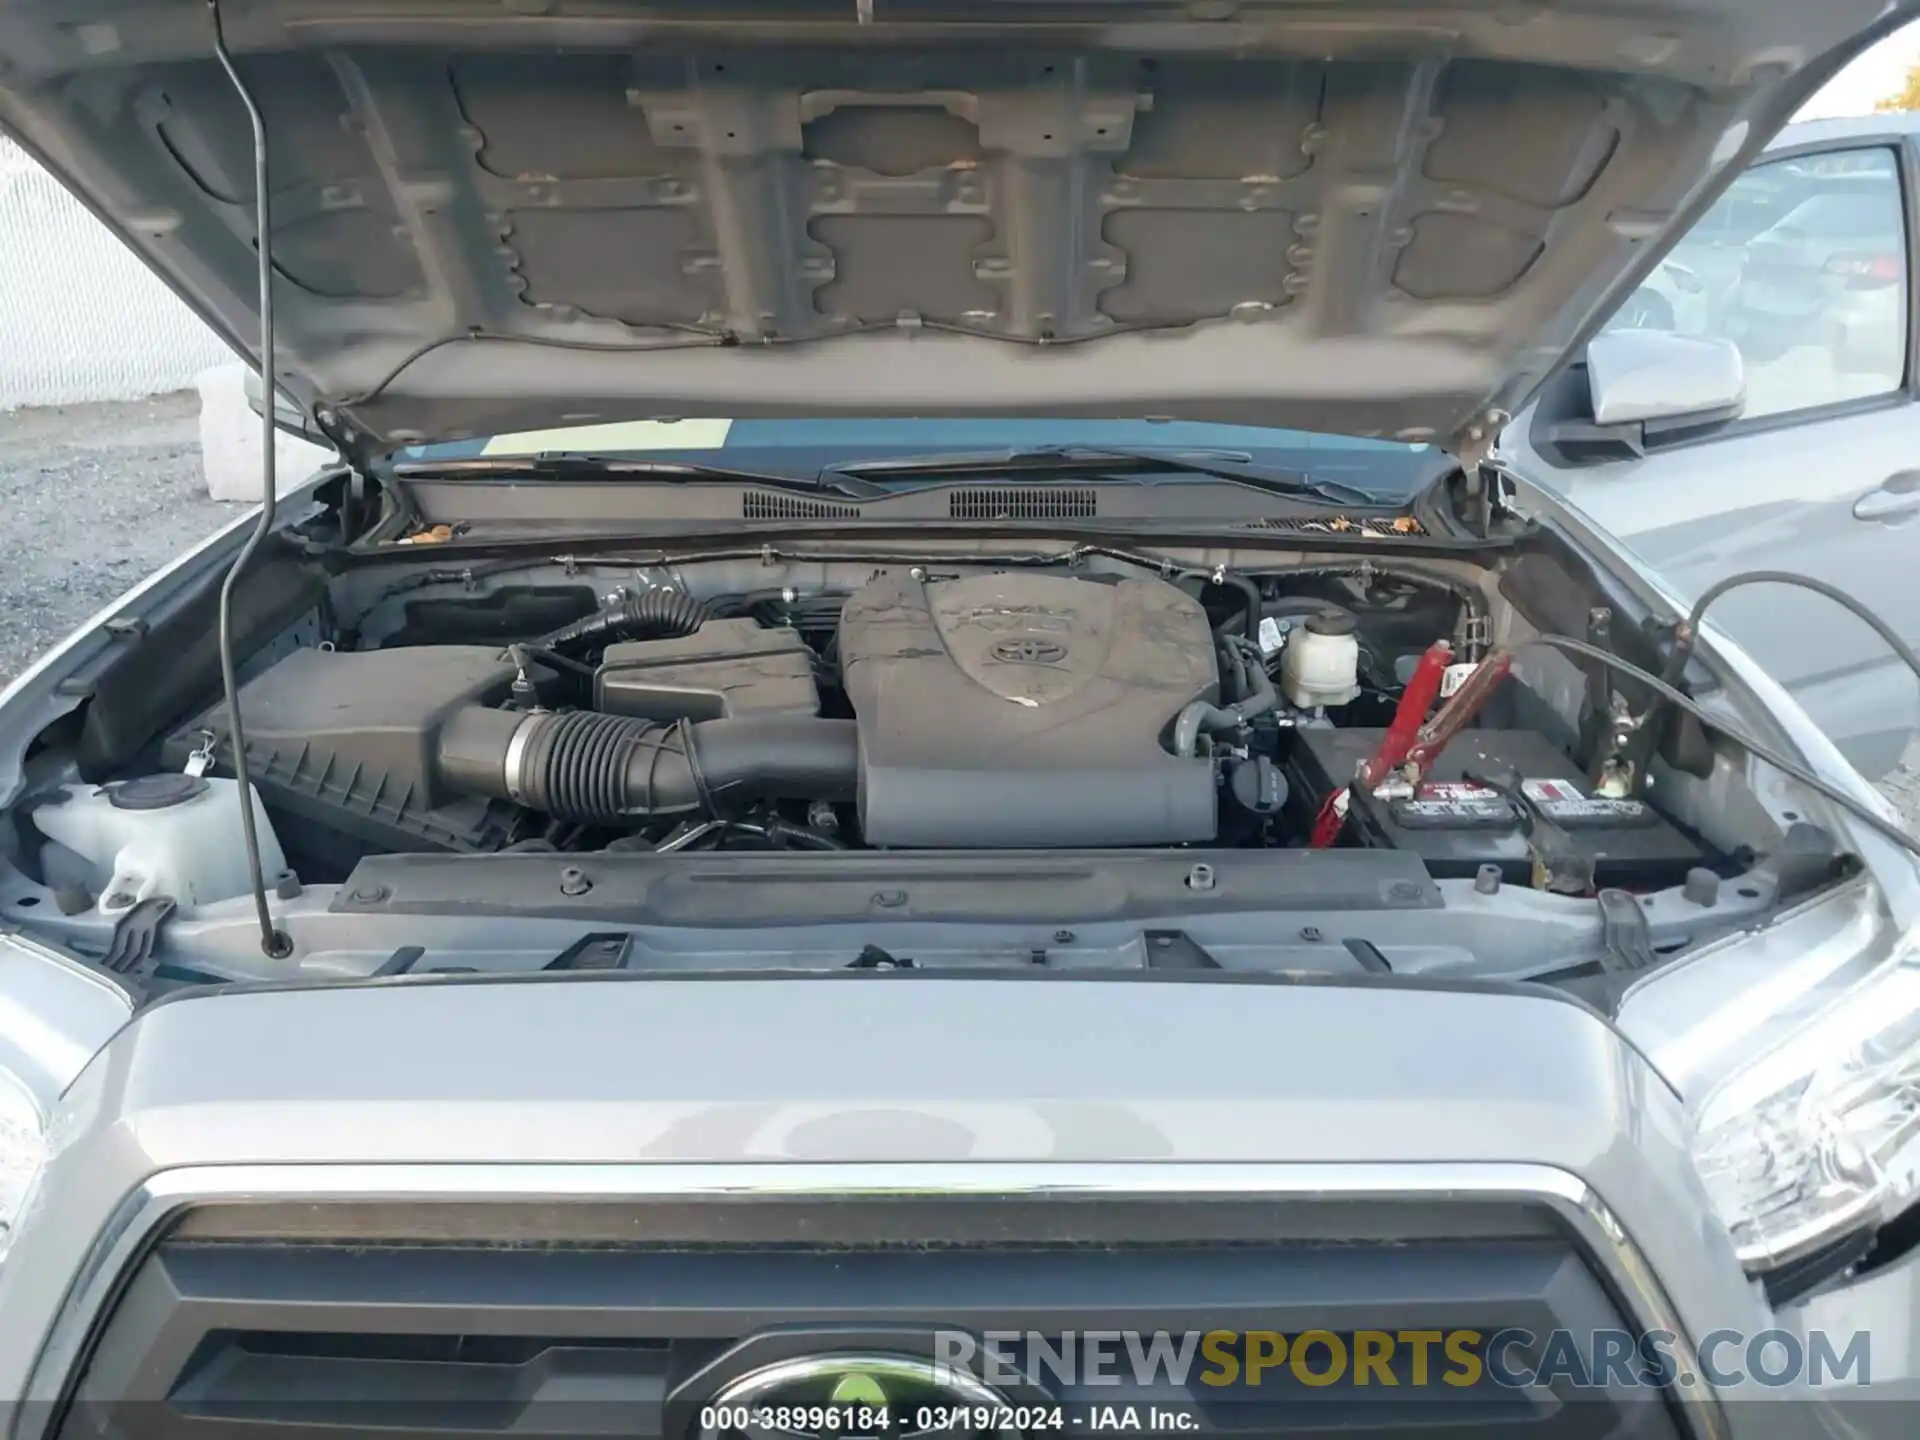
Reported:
(1475, 442)
(355, 447)
(1471, 447)
(357, 454)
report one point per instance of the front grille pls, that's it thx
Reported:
(767, 505)
(1049, 502)
(462, 1320)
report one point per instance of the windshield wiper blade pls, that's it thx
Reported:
(576, 465)
(1098, 460)
(1035, 457)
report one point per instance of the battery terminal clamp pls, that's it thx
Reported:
(1616, 771)
(1561, 864)
(1412, 741)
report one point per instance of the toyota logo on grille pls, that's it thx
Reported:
(1030, 652)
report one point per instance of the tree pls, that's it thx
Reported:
(1907, 97)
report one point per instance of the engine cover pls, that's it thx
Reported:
(1012, 710)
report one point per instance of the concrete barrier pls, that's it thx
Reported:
(230, 440)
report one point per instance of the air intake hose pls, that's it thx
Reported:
(651, 615)
(603, 769)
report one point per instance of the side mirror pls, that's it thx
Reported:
(286, 415)
(1642, 384)
(1656, 378)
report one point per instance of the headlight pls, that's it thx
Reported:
(23, 1146)
(54, 1015)
(1797, 1048)
(1821, 1134)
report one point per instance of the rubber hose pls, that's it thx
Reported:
(1201, 715)
(1252, 602)
(1255, 603)
(651, 615)
(1197, 717)
(1264, 697)
(602, 769)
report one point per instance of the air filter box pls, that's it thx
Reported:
(341, 747)
(725, 669)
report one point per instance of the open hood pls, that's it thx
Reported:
(1382, 218)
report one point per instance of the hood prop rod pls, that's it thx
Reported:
(274, 942)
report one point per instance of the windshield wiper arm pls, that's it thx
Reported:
(1096, 460)
(577, 465)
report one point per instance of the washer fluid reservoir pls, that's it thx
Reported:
(167, 834)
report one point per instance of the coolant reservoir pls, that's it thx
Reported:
(1321, 664)
(173, 835)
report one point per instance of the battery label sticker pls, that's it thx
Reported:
(1491, 807)
(1544, 791)
(1456, 790)
(1454, 676)
(1567, 804)
(1452, 805)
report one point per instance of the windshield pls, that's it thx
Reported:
(804, 447)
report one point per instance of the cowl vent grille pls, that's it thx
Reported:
(766, 505)
(1046, 503)
(1376, 527)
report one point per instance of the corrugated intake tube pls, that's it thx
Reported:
(593, 768)
(651, 615)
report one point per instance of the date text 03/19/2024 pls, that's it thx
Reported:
(879, 1420)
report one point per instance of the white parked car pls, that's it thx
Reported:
(1673, 298)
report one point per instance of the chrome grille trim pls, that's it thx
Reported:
(144, 1215)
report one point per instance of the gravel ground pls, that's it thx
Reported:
(93, 497)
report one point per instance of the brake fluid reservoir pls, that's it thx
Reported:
(1321, 664)
(167, 834)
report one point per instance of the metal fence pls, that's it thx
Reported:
(80, 318)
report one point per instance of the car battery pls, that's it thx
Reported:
(1456, 826)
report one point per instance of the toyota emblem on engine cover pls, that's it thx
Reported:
(1030, 652)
